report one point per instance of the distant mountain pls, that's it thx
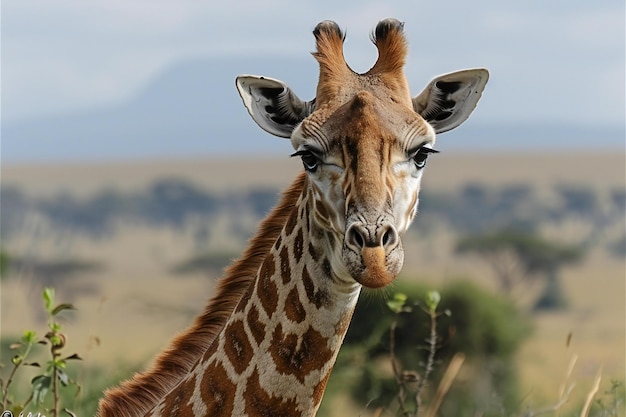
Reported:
(193, 109)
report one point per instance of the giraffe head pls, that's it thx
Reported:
(364, 141)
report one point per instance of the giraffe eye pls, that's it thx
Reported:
(309, 160)
(420, 155)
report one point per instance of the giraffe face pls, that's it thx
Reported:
(365, 160)
(363, 141)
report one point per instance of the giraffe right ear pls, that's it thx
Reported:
(272, 104)
(450, 98)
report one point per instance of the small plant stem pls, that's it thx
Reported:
(394, 365)
(55, 390)
(55, 377)
(5, 392)
(432, 349)
(28, 400)
(592, 393)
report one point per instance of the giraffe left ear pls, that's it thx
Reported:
(272, 104)
(450, 98)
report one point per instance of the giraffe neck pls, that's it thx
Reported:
(137, 396)
(276, 351)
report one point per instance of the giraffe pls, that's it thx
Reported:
(267, 341)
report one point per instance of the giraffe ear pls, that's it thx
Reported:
(450, 98)
(272, 104)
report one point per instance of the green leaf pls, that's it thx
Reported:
(48, 298)
(432, 300)
(55, 340)
(397, 303)
(29, 336)
(41, 385)
(17, 360)
(73, 357)
(62, 307)
(63, 377)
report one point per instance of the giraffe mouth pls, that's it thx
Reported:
(376, 273)
(374, 266)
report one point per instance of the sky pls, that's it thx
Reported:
(550, 61)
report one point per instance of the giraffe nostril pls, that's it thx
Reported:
(359, 236)
(389, 237)
(355, 237)
(386, 238)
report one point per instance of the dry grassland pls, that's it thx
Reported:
(140, 305)
(445, 172)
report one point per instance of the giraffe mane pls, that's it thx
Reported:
(138, 395)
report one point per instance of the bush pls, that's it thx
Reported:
(485, 328)
(52, 375)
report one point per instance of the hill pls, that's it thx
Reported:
(193, 109)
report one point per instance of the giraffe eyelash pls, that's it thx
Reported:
(420, 155)
(309, 159)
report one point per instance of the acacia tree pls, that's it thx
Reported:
(520, 258)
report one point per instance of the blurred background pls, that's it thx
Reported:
(131, 174)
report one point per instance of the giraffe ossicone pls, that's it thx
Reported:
(267, 341)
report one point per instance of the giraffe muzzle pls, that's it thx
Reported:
(373, 253)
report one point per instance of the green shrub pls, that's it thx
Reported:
(484, 327)
(52, 378)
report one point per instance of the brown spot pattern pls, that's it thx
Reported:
(298, 245)
(218, 392)
(322, 210)
(291, 359)
(313, 252)
(268, 267)
(285, 269)
(309, 287)
(237, 346)
(279, 241)
(317, 297)
(244, 299)
(260, 404)
(293, 307)
(307, 217)
(326, 268)
(342, 325)
(318, 392)
(266, 289)
(256, 326)
(322, 298)
(291, 222)
(178, 401)
(304, 214)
